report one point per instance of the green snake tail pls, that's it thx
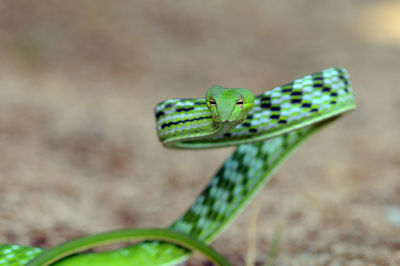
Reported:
(281, 119)
(120, 236)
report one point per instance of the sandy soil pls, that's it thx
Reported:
(79, 153)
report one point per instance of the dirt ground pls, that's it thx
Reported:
(79, 152)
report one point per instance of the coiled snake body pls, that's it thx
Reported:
(265, 129)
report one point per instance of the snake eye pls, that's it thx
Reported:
(240, 102)
(212, 101)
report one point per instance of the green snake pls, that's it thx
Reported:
(265, 129)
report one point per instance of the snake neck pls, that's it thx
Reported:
(214, 129)
(223, 127)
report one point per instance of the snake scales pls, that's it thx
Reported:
(278, 121)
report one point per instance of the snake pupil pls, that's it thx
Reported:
(212, 101)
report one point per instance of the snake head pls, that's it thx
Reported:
(229, 105)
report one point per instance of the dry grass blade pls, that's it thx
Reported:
(274, 248)
(251, 236)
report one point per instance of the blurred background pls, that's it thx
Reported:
(79, 152)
